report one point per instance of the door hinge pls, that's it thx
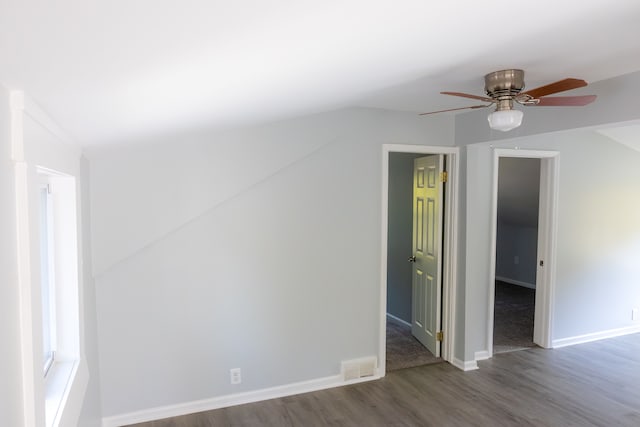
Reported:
(439, 336)
(444, 176)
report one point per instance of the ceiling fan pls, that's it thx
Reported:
(504, 87)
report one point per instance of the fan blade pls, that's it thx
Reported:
(568, 101)
(468, 95)
(473, 107)
(560, 86)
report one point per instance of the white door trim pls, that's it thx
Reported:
(547, 231)
(449, 250)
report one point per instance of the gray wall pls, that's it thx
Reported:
(598, 236)
(516, 241)
(256, 249)
(517, 220)
(400, 234)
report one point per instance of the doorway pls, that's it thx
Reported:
(413, 302)
(512, 242)
(516, 253)
(396, 268)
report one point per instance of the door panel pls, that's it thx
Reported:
(419, 224)
(430, 216)
(427, 246)
(419, 299)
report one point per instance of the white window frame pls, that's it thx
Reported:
(62, 252)
(37, 143)
(47, 273)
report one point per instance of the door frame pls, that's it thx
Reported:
(449, 246)
(547, 242)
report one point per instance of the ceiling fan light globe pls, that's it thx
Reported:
(505, 120)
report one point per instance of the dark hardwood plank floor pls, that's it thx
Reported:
(594, 384)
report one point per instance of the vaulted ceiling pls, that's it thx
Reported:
(122, 70)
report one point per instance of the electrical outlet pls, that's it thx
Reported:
(635, 315)
(516, 260)
(236, 375)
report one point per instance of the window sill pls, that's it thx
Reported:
(56, 388)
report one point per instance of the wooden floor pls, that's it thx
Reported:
(594, 384)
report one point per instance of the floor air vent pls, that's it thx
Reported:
(358, 368)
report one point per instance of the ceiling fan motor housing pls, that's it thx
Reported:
(505, 83)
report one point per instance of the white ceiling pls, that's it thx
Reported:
(113, 70)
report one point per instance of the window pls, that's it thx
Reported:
(47, 277)
(58, 231)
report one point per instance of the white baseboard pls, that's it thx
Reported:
(230, 400)
(397, 319)
(580, 339)
(469, 365)
(481, 355)
(516, 282)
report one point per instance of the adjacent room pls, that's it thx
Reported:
(343, 212)
(516, 253)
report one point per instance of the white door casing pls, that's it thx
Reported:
(427, 249)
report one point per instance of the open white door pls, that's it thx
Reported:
(427, 247)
